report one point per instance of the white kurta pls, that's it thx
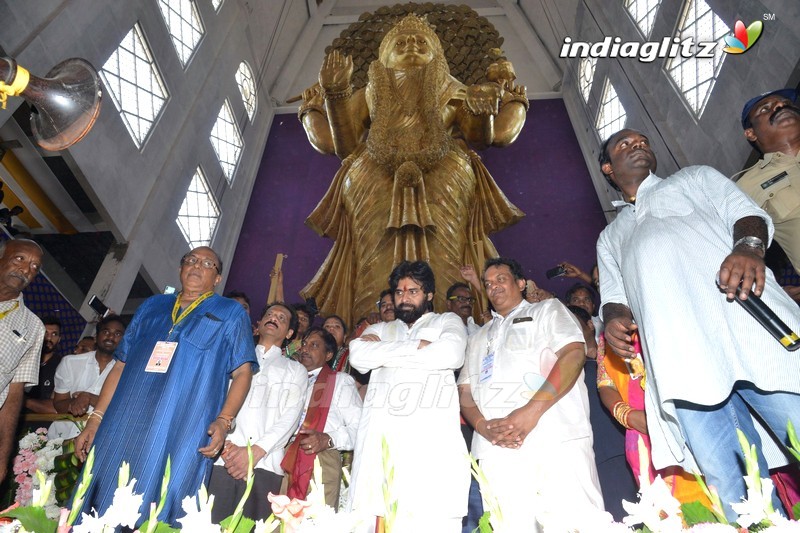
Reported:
(412, 402)
(660, 257)
(344, 412)
(271, 410)
(553, 472)
(77, 373)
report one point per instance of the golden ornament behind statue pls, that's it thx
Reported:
(409, 186)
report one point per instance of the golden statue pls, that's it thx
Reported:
(409, 186)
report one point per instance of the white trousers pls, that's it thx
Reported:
(543, 486)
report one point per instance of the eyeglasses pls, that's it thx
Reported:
(192, 260)
(463, 299)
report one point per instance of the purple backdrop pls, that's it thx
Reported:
(543, 173)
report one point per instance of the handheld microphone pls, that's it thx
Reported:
(770, 321)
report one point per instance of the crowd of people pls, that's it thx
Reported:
(556, 404)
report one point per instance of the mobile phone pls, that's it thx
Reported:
(555, 272)
(96, 304)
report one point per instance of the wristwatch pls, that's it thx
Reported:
(752, 242)
(230, 420)
(330, 443)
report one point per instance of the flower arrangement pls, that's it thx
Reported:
(657, 511)
(25, 467)
(37, 454)
(291, 516)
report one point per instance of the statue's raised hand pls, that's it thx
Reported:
(336, 71)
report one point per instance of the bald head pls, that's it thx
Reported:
(19, 242)
(207, 250)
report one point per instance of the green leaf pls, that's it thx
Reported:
(796, 511)
(83, 486)
(233, 525)
(761, 526)
(484, 526)
(245, 524)
(160, 527)
(697, 513)
(165, 528)
(32, 519)
(164, 485)
(794, 443)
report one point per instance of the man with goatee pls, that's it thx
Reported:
(411, 405)
(39, 399)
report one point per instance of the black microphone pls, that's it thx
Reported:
(770, 321)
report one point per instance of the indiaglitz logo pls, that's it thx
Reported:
(739, 42)
(743, 38)
(645, 52)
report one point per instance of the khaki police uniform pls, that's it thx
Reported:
(774, 184)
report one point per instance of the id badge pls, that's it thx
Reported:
(161, 357)
(487, 367)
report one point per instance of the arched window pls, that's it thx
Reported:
(643, 13)
(611, 116)
(199, 212)
(587, 76)
(227, 141)
(247, 86)
(135, 85)
(184, 25)
(695, 76)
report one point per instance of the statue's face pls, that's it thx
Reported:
(410, 50)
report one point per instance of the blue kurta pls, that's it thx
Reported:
(153, 416)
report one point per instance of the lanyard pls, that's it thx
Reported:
(176, 319)
(8, 312)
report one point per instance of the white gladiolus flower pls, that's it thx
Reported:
(91, 523)
(198, 513)
(657, 508)
(124, 508)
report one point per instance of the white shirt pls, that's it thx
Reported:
(77, 373)
(344, 413)
(412, 402)
(472, 326)
(598, 328)
(21, 337)
(510, 358)
(660, 257)
(272, 408)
